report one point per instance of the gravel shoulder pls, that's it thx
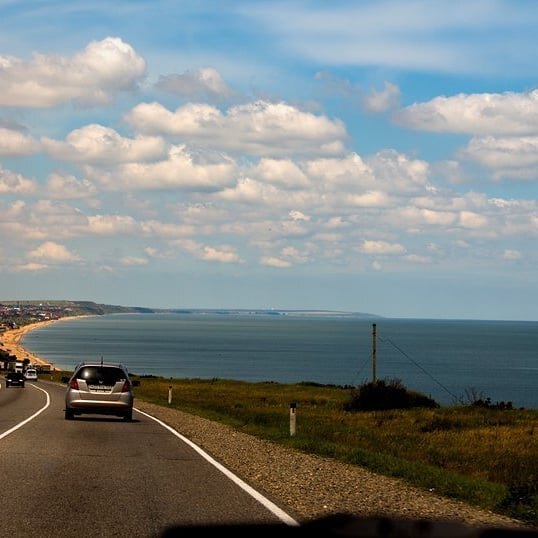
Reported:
(309, 487)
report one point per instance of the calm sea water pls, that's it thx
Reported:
(445, 359)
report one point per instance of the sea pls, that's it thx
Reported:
(452, 361)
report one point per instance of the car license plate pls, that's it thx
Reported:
(100, 388)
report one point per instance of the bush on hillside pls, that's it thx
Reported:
(386, 394)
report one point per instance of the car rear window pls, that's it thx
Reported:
(97, 374)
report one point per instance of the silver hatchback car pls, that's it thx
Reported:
(99, 388)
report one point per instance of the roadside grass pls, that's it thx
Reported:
(484, 456)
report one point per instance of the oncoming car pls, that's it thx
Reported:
(14, 379)
(99, 388)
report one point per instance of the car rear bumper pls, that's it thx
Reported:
(99, 407)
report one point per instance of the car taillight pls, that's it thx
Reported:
(74, 384)
(126, 387)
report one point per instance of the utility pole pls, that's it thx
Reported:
(374, 358)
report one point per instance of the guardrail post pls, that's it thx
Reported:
(169, 394)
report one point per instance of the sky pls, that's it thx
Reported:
(363, 156)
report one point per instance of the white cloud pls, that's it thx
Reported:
(417, 258)
(182, 169)
(371, 199)
(381, 101)
(111, 225)
(133, 261)
(472, 220)
(205, 82)
(258, 128)
(400, 173)
(381, 247)
(223, 253)
(283, 173)
(98, 144)
(89, 77)
(348, 170)
(65, 187)
(16, 143)
(249, 191)
(51, 252)
(508, 157)
(298, 215)
(31, 267)
(272, 261)
(479, 114)
(414, 36)
(509, 254)
(13, 183)
(167, 230)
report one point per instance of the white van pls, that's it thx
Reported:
(19, 367)
(31, 374)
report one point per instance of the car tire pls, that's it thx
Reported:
(128, 417)
(69, 415)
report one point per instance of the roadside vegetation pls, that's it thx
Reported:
(480, 452)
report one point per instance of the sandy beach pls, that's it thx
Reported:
(10, 342)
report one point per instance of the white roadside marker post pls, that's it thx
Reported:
(293, 418)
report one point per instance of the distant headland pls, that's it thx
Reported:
(15, 313)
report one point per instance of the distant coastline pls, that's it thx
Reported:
(10, 338)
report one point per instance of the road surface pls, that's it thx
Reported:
(102, 476)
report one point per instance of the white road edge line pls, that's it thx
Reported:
(283, 516)
(21, 424)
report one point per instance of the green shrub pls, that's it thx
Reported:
(386, 394)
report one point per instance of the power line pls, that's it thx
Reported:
(419, 367)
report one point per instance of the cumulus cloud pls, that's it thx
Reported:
(111, 224)
(272, 261)
(381, 247)
(51, 252)
(258, 128)
(510, 254)
(133, 261)
(341, 171)
(16, 143)
(284, 173)
(515, 157)
(95, 144)
(13, 183)
(222, 254)
(477, 114)
(400, 173)
(381, 101)
(472, 220)
(371, 199)
(68, 187)
(205, 83)
(31, 267)
(182, 169)
(92, 76)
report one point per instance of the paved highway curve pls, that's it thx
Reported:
(101, 476)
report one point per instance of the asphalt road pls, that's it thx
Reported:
(101, 476)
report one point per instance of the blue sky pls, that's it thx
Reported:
(369, 156)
